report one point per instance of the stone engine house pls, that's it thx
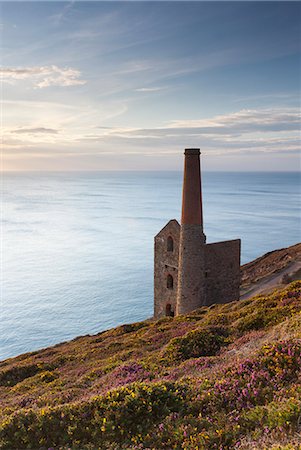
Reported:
(188, 272)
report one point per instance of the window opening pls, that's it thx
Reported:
(169, 282)
(170, 244)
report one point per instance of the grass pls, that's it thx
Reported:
(222, 377)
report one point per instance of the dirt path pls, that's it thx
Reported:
(273, 281)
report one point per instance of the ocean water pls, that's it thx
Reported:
(77, 248)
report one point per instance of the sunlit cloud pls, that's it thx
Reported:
(275, 119)
(234, 124)
(241, 132)
(38, 130)
(149, 89)
(43, 76)
(266, 130)
(145, 80)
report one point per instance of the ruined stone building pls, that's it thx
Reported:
(188, 272)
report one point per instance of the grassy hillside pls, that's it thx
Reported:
(223, 377)
(270, 264)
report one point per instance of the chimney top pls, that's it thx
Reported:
(192, 196)
(192, 151)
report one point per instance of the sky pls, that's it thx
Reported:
(130, 85)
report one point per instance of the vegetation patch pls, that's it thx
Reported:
(117, 417)
(168, 384)
(14, 375)
(196, 343)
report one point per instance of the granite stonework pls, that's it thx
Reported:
(222, 272)
(189, 273)
(166, 263)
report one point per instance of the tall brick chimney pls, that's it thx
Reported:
(191, 271)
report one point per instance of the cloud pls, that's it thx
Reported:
(39, 130)
(244, 121)
(58, 18)
(43, 76)
(150, 89)
(245, 131)
(237, 124)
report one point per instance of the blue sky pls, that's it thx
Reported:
(129, 85)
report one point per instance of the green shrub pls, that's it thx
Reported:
(48, 376)
(196, 343)
(12, 376)
(130, 327)
(115, 417)
(278, 415)
(255, 321)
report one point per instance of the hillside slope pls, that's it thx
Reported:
(222, 377)
(272, 270)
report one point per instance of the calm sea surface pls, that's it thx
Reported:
(77, 254)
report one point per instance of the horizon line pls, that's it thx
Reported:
(143, 170)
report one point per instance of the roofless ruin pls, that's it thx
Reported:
(188, 272)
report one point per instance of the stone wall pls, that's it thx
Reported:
(191, 281)
(222, 271)
(166, 264)
(219, 276)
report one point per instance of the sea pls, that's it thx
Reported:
(77, 248)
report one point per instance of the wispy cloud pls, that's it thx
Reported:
(56, 19)
(43, 76)
(263, 130)
(39, 130)
(245, 131)
(149, 89)
(240, 123)
(244, 121)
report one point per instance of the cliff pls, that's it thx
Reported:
(223, 377)
(272, 270)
